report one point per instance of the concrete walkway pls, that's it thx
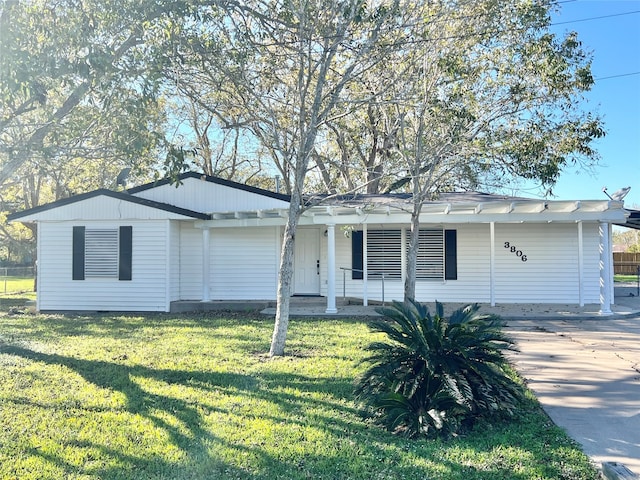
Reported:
(627, 302)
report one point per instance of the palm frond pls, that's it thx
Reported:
(434, 374)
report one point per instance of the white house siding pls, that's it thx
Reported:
(354, 288)
(550, 272)
(145, 292)
(244, 263)
(101, 208)
(202, 196)
(473, 270)
(190, 262)
(473, 283)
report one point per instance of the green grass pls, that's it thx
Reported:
(194, 396)
(625, 278)
(16, 284)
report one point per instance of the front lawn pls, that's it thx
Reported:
(195, 397)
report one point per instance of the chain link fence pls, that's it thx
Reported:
(17, 279)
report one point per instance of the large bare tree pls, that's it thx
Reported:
(493, 99)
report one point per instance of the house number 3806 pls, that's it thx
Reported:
(513, 249)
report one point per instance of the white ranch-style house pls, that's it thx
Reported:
(210, 240)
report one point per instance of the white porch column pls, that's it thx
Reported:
(331, 269)
(206, 263)
(580, 265)
(492, 264)
(605, 269)
(611, 266)
(365, 272)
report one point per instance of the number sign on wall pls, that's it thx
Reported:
(513, 249)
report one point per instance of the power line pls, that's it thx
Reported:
(617, 76)
(596, 18)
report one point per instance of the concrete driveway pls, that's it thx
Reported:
(586, 375)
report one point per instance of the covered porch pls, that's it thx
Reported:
(627, 304)
(493, 212)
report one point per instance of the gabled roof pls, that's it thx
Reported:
(210, 179)
(108, 193)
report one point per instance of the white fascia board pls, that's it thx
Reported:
(241, 222)
(499, 212)
(403, 218)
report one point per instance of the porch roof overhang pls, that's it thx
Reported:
(632, 221)
(500, 211)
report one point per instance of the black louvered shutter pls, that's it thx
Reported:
(78, 253)
(357, 258)
(450, 255)
(125, 253)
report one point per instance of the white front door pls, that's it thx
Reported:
(307, 262)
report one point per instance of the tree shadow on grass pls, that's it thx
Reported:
(187, 428)
(9, 302)
(192, 438)
(300, 399)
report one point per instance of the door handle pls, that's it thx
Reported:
(318, 267)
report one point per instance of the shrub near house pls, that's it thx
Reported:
(436, 376)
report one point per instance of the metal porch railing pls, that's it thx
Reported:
(344, 280)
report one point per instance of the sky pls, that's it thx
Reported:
(611, 31)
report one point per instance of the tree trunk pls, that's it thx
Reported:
(412, 256)
(285, 279)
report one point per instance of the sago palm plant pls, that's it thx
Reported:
(435, 375)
